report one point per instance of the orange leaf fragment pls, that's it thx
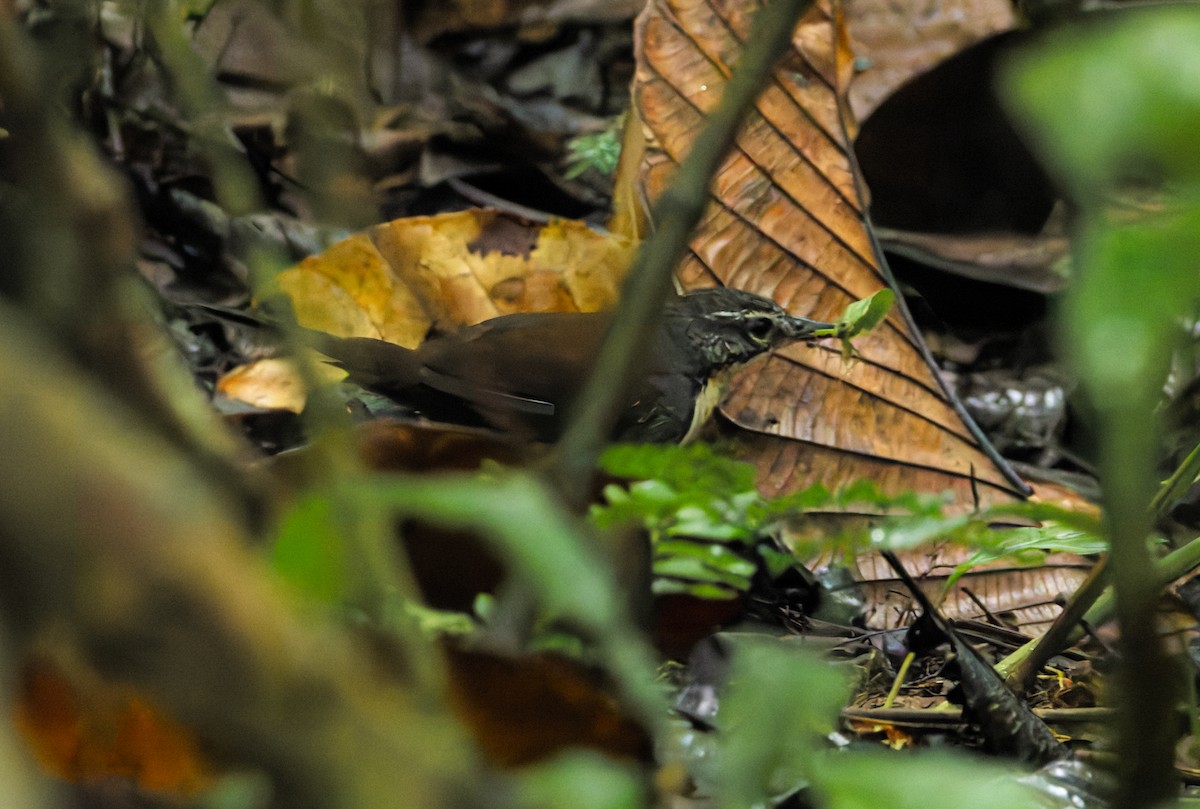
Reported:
(350, 290)
(105, 731)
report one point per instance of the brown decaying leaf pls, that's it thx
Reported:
(786, 221)
(1025, 597)
(525, 709)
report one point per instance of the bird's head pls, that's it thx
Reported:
(722, 327)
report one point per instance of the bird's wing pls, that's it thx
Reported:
(530, 363)
(515, 372)
(485, 397)
(376, 365)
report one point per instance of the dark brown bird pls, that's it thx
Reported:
(523, 372)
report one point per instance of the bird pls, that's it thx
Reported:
(522, 373)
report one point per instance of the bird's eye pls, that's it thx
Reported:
(760, 328)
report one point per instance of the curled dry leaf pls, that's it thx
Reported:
(1036, 263)
(787, 221)
(397, 280)
(272, 384)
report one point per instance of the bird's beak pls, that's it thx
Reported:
(798, 328)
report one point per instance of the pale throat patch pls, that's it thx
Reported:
(706, 404)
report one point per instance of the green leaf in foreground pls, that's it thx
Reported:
(776, 715)
(580, 780)
(690, 499)
(1061, 531)
(782, 700)
(695, 467)
(1112, 108)
(935, 780)
(1113, 103)
(693, 503)
(555, 557)
(309, 551)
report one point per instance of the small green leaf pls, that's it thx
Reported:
(715, 555)
(596, 150)
(860, 317)
(705, 590)
(439, 623)
(814, 497)
(692, 562)
(693, 521)
(1029, 547)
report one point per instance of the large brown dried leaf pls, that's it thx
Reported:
(899, 40)
(786, 221)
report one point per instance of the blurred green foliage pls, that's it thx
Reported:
(777, 714)
(581, 780)
(707, 523)
(1113, 109)
(710, 529)
(927, 780)
(309, 552)
(1116, 113)
(780, 704)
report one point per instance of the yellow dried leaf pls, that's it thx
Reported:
(350, 291)
(398, 279)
